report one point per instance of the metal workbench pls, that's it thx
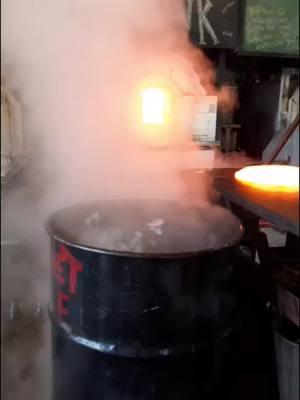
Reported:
(281, 209)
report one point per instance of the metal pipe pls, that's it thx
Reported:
(284, 139)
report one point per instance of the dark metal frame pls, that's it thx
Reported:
(285, 136)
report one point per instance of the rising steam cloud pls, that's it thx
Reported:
(74, 65)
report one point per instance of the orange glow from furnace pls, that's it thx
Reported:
(272, 178)
(154, 106)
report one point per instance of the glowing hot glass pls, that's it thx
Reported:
(272, 178)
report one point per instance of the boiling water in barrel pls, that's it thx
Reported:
(138, 280)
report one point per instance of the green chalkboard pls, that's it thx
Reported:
(271, 27)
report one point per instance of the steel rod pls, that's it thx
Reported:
(283, 140)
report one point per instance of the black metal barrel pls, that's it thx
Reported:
(138, 304)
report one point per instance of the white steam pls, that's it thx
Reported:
(75, 65)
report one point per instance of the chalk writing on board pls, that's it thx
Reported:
(227, 33)
(205, 23)
(190, 4)
(227, 7)
(270, 29)
(203, 7)
(213, 23)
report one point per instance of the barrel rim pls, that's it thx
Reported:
(128, 254)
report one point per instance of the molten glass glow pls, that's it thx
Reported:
(273, 178)
(154, 106)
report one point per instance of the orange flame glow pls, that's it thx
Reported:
(154, 112)
(272, 178)
(154, 106)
